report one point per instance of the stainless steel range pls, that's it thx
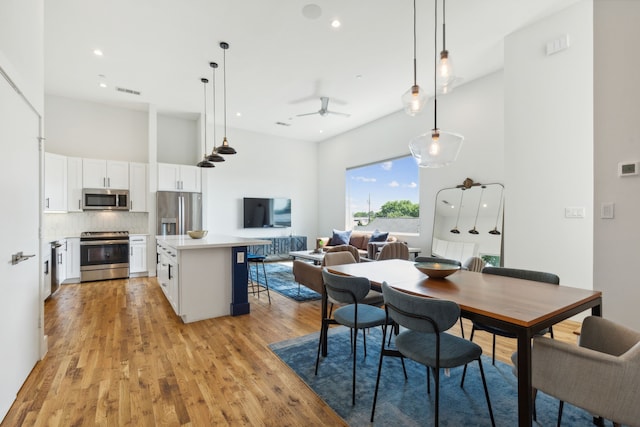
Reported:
(104, 255)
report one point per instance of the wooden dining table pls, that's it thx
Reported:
(523, 307)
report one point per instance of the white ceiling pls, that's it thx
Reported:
(279, 62)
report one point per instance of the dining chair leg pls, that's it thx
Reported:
(436, 376)
(353, 378)
(464, 374)
(461, 328)
(493, 351)
(560, 408)
(486, 392)
(428, 380)
(322, 327)
(375, 393)
(266, 280)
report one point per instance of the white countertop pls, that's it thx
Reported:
(181, 242)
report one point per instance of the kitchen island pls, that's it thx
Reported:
(204, 278)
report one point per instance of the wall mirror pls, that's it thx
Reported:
(468, 222)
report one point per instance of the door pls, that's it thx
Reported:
(20, 305)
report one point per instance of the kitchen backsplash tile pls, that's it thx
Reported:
(71, 224)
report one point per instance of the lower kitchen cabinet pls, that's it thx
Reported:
(138, 255)
(72, 264)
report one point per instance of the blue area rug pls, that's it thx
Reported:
(406, 403)
(280, 278)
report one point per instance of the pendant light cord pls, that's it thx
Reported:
(444, 45)
(204, 81)
(415, 67)
(435, 66)
(224, 81)
(214, 106)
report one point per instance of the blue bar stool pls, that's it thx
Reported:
(255, 260)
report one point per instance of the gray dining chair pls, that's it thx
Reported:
(424, 340)
(349, 290)
(538, 276)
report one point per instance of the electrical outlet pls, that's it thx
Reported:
(240, 258)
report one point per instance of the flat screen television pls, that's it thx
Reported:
(267, 212)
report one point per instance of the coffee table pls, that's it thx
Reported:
(308, 255)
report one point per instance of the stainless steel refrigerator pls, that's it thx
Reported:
(178, 212)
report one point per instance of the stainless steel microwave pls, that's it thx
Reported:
(99, 199)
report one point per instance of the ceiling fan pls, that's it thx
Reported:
(323, 111)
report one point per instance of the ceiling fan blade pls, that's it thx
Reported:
(306, 114)
(339, 114)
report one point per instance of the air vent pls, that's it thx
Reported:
(283, 124)
(125, 90)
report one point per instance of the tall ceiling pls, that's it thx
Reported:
(281, 60)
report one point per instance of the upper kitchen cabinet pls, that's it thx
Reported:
(138, 187)
(105, 174)
(74, 184)
(178, 178)
(55, 178)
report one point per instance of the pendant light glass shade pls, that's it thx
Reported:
(436, 148)
(225, 148)
(415, 98)
(205, 163)
(445, 74)
(214, 156)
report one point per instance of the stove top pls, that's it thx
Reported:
(105, 234)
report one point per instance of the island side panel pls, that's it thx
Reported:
(205, 283)
(240, 277)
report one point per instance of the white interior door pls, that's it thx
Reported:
(20, 302)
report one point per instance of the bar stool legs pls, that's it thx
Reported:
(255, 260)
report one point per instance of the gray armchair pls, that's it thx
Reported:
(600, 375)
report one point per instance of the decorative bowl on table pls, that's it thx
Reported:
(437, 270)
(197, 234)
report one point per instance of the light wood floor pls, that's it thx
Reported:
(118, 356)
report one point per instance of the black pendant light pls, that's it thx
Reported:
(495, 231)
(225, 148)
(473, 230)
(214, 156)
(455, 230)
(205, 163)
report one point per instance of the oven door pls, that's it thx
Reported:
(104, 259)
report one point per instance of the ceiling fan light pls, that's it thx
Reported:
(414, 100)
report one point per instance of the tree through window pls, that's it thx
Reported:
(384, 196)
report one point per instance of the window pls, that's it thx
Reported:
(384, 196)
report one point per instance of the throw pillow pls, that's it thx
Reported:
(340, 237)
(377, 236)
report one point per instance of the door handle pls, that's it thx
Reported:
(18, 257)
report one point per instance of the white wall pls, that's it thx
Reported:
(265, 166)
(617, 139)
(179, 140)
(86, 129)
(549, 147)
(475, 110)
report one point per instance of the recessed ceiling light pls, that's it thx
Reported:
(97, 52)
(311, 11)
(335, 23)
(238, 114)
(358, 76)
(320, 130)
(103, 84)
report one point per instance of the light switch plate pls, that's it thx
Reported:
(574, 212)
(240, 258)
(607, 210)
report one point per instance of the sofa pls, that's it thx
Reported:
(359, 239)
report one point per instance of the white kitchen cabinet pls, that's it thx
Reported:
(111, 174)
(46, 270)
(72, 249)
(137, 255)
(179, 178)
(74, 184)
(168, 278)
(55, 183)
(138, 187)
